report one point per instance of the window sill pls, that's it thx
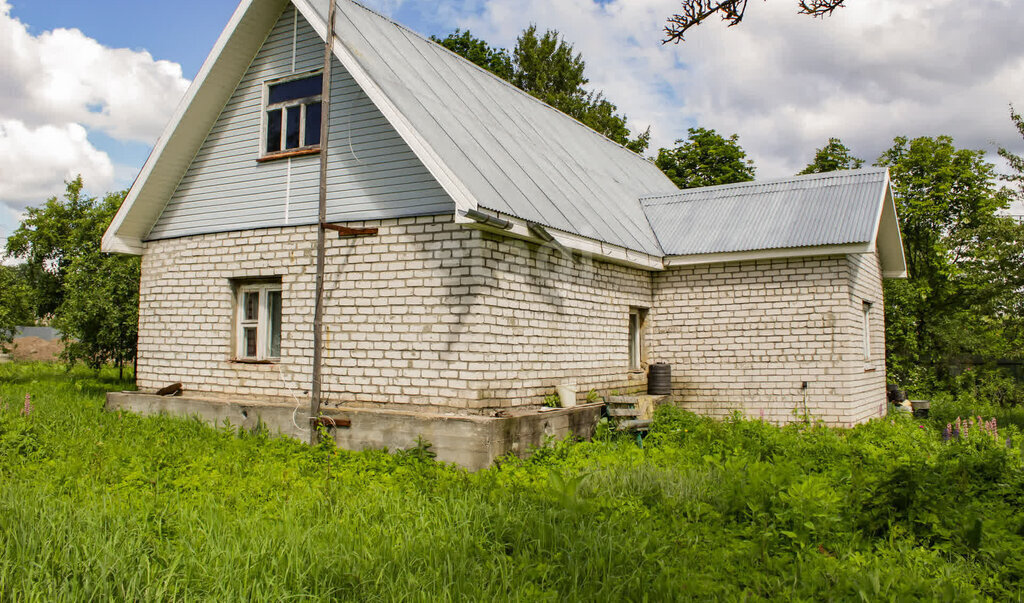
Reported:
(286, 154)
(249, 361)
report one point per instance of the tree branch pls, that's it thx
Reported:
(819, 8)
(696, 11)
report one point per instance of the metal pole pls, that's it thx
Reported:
(321, 253)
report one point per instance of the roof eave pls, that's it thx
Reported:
(888, 239)
(766, 254)
(520, 229)
(191, 123)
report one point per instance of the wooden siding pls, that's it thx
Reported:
(372, 173)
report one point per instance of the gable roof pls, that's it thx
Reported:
(851, 208)
(513, 153)
(494, 147)
(489, 144)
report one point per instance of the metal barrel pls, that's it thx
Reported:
(659, 379)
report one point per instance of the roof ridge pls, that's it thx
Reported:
(835, 174)
(499, 79)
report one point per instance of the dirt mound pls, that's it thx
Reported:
(34, 349)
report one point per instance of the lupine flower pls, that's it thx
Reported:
(1009, 442)
(956, 434)
(947, 433)
(28, 405)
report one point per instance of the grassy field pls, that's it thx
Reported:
(111, 506)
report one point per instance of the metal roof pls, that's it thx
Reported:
(513, 153)
(834, 208)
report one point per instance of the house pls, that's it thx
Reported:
(508, 249)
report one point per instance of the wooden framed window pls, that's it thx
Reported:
(258, 321)
(291, 116)
(866, 330)
(637, 318)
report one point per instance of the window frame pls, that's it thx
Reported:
(262, 323)
(637, 320)
(866, 330)
(266, 107)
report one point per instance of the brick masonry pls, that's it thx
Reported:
(747, 336)
(430, 315)
(426, 315)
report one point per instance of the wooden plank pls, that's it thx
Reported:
(345, 231)
(171, 390)
(330, 422)
(623, 412)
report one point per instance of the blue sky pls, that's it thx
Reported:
(86, 87)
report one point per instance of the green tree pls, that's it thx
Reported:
(549, 68)
(52, 235)
(1016, 162)
(463, 43)
(832, 157)
(92, 297)
(15, 303)
(99, 316)
(964, 261)
(705, 158)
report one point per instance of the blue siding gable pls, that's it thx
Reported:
(372, 173)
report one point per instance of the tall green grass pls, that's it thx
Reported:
(101, 506)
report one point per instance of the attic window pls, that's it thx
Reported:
(292, 116)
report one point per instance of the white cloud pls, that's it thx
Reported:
(64, 76)
(35, 162)
(785, 82)
(58, 86)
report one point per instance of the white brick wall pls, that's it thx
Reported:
(426, 314)
(429, 314)
(746, 336)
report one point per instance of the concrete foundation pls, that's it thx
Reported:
(473, 442)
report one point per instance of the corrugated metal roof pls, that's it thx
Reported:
(821, 209)
(515, 154)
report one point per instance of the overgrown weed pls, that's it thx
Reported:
(98, 505)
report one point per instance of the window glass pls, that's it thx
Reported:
(252, 305)
(296, 89)
(251, 344)
(274, 320)
(294, 117)
(273, 131)
(313, 111)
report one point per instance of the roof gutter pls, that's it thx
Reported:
(698, 259)
(517, 228)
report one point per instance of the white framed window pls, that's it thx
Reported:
(258, 321)
(637, 317)
(291, 115)
(866, 329)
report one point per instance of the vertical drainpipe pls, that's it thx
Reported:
(318, 313)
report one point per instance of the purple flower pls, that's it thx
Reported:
(956, 434)
(28, 405)
(947, 433)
